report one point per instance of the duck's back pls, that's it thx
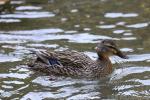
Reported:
(71, 58)
(67, 58)
(66, 62)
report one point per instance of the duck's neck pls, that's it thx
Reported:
(103, 58)
(104, 63)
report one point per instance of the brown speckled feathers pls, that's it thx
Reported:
(73, 63)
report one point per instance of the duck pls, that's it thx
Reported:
(77, 64)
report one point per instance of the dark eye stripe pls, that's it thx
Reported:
(111, 47)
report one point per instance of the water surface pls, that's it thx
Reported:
(77, 25)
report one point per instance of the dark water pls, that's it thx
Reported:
(78, 25)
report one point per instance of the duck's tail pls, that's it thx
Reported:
(45, 57)
(32, 52)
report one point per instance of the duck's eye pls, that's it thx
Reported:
(102, 41)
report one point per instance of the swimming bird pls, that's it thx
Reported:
(74, 63)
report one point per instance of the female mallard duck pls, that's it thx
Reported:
(73, 63)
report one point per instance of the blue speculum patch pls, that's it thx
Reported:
(54, 61)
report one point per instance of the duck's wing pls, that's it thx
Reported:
(73, 58)
(63, 58)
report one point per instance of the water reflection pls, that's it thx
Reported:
(117, 15)
(9, 58)
(106, 26)
(67, 88)
(38, 31)
(36, 36)
(9, 20)
(28, 8)
(139, 25)
(28, 14)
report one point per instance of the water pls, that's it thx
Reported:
(78, 25)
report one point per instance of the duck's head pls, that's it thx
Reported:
(108, 47)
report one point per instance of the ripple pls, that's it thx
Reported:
(9, 58)
(121, 23)
(106, 26)
(67, 91)
(39, 96)
(127, 34)
(14, 75)
(35, 31)
(139, 25)
(64, 19)
(17, 2)
(28, 8)
(44, 81)
(13, 47)
(67, 87)
(43, 45)
(118, 31)
(74, 10)
(6, 94)
(59, 82)
(77, 26)
(71, 32)
(130, 92)
(144, 94)
(27, 14)
(13, 82)
(7, 87)
(9, 20)
(12, 41)
(120, 73)
(87, 96)
(123, 87)
(87, 29)
(134, 58)
(78, 38)
(143, 82)
(85, 38)
(62, 31)
(63, 92)
(117, 15)
(129, 38)
(127, 49)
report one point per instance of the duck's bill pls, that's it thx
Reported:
(120, 54)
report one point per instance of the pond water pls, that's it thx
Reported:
(78, 25)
